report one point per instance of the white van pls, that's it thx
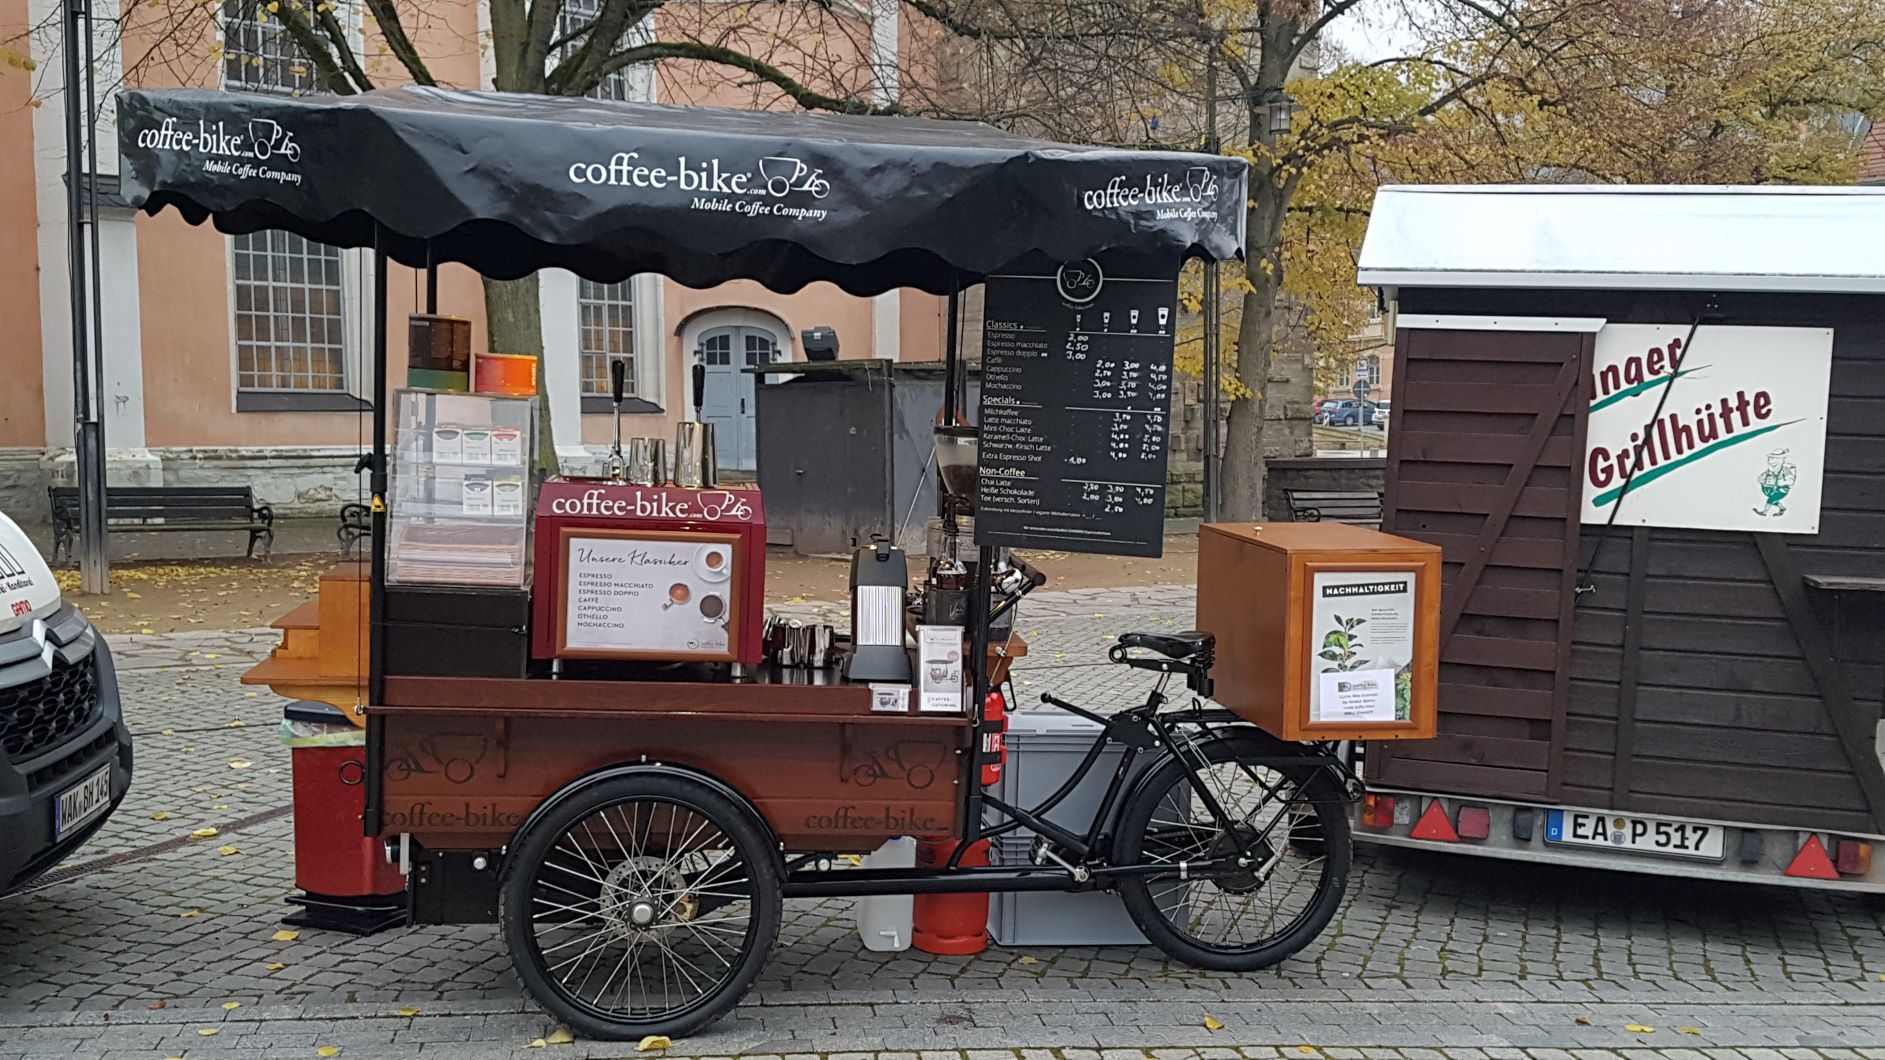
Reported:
(65, 754)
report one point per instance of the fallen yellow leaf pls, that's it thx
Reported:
(653, 1042)
(328, 1050)
(285, 936)
(227, 851)
(409, 1011)
(240, 763)
(147, 629)
(162, 815)
(1212, 1023)
(231, 1006)
(1689, 1030)
(1028, 960)
(1309, 1050)
(237, 724)
(208, 1032)
(274, 966)
(155, 1005)
(190, 914)
(1637, 1028)
(205, 833)
(536, 1043)
(561, 1036)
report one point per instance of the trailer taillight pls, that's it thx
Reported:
(1854, 857)
(1377, 811)
(1475, 822)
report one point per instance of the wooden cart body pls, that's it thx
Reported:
(465, 761)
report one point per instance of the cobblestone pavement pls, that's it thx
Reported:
(1430, 957)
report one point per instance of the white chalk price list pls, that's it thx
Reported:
(1074, 424)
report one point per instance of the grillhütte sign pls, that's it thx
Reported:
(1726, 434)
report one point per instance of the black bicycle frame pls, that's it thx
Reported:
(1136, 730)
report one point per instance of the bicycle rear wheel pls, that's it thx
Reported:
(1290, 823)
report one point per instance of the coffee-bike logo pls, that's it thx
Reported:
(1191, 194)
(255, 150)
(717, 186)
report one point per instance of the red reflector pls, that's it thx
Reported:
(1377, 811)
(1475, 822)
(1811, 863)
(1434, 825)
(1855, 857)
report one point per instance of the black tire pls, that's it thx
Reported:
(580, 879)
(1244, 921)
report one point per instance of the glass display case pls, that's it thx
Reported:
(460, 507)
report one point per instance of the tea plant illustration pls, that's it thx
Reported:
(1342, 646)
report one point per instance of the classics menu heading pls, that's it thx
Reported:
(1076, 392)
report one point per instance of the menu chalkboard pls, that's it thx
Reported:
(1076, 390)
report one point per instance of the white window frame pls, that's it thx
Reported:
(633, 84)
(356, 265)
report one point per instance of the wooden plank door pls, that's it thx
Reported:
(1485, 444)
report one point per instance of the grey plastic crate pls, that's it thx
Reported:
(1044, 748)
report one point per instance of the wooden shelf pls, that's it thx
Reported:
(1844, 583)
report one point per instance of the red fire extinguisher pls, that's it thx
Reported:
(994, 739)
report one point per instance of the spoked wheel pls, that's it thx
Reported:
(1289, 829)
(643, 904)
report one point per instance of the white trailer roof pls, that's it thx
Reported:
(1609, 237)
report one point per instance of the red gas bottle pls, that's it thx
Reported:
(950, 923)
(994, 738)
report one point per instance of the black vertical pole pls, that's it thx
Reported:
(1213, 327)
(952, 355)
(979, 588)
(376, 640)
(431, 282)
(81, 242)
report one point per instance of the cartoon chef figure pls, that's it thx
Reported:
(1776, 482)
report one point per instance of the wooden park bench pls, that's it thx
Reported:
(1358, 507)
(155, 509)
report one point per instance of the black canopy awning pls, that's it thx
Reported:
(509, 184)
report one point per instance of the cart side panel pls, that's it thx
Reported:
(468, 780)
(1713, 674)
(1483, 463)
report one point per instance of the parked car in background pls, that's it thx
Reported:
(1346, 412)
(65, 753)
(1381, 414)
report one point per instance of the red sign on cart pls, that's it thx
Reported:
(649, 572)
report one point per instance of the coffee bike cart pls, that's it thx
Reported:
(631, 780)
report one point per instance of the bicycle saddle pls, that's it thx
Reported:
(1170, 645)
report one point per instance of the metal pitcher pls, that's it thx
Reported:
(642, 461)
(694, 464)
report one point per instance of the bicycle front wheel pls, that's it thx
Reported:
(1289, 824)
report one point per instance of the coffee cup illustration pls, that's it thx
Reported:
(678, 593)
(781, 173)
(713, 608)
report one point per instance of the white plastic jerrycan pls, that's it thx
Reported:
(886, 921)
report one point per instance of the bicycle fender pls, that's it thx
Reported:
(1272, 752)
(670, 769)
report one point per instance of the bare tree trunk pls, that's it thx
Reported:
(1245, 447)
(514, 314)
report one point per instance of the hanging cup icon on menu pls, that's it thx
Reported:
(1135, 320)
(1164, 317)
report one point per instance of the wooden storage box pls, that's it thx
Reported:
(1324, 631)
